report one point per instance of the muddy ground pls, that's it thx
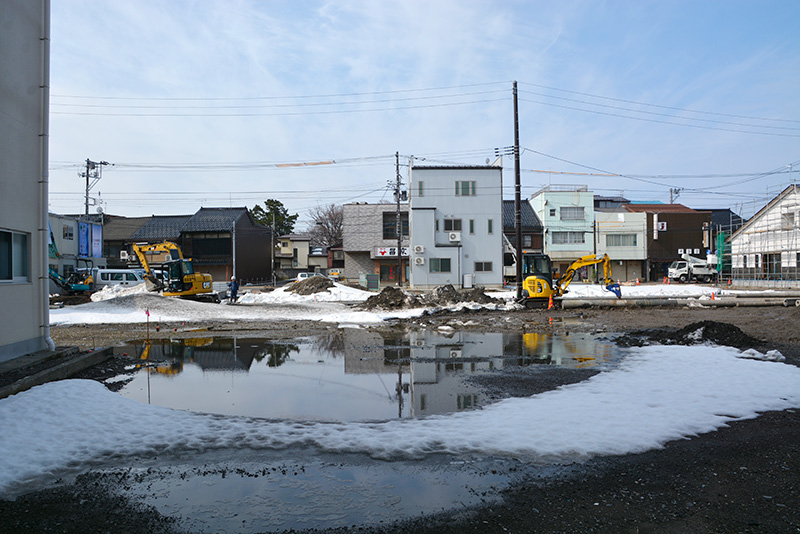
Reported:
(741, 478)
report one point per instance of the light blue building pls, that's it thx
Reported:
(567, 214)
(456, 220)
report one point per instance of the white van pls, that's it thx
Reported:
(116, 277)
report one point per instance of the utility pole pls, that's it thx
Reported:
(94, 171)
(674, 193)
(517, 196)
(398, 221)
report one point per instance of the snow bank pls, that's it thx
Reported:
(658, 394)
(338, 293)
(112, 292)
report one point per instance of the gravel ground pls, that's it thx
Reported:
(741, 478)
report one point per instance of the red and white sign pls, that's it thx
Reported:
(388, 252)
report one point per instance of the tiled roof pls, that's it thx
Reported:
(121, 228)
(214, 219)
(530, 222)
(161, 228)
(659, 208)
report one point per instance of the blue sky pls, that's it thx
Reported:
(195, 103)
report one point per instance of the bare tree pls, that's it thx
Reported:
(326, 228)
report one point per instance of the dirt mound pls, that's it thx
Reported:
(391, 298)
(444, 295)
(694, 334)
(311, 285)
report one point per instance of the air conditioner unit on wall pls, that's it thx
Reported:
(123, 254)
(419, 249)
(455, 353)
(454, 237)
(419, 260)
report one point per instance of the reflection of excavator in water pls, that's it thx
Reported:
(538, 286)
(176, 276)
(179, 351)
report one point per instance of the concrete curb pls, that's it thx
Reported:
(60, 371)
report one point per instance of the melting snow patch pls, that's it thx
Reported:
(659, 393)
(770, 356)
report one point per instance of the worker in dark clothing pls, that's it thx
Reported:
(234, 288)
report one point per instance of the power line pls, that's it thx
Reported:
(658, 121)
(663, 114)
(331, 95)
(285, 114)
(660, 106)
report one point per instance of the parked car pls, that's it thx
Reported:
(334, 274)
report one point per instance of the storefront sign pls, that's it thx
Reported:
(388, 252)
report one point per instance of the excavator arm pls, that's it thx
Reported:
(141, 252)
(562, 283)
(177, 278)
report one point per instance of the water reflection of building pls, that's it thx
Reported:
(209, 354)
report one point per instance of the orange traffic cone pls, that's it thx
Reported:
(637, 281)
(713, 296)
(550, 303)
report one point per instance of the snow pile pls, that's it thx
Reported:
(112, 292)
(337, 293)
(658, 394)
(650, 291)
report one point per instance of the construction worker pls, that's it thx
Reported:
(234, 288)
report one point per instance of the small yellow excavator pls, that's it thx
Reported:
(538, 287)
(175, 276)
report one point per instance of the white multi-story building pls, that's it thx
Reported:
(456, 225)
(24, 95)
(766, 249)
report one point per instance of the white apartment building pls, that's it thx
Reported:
(456, 222)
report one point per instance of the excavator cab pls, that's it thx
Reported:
(537, 275)
(538, 287)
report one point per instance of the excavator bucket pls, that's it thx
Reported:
(614, 288)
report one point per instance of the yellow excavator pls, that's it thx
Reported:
(538, 287)
(176, 276)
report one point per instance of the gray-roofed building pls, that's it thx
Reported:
(212, 237)
(160, 228)
(117, 233)
(531, 226)
(531, 229)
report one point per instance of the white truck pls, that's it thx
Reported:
(692, 269)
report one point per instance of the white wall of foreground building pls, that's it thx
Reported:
(456, 225)
(24, 101)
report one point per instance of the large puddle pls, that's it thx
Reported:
(352, 375)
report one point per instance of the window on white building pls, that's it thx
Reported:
(452, 225)
(483, 266)
(14, 256)
(490, 226)
(566, 238)
(465, 188)
(572, 213)
(68, 232)
(439, 265)
(787, 220)
(621, 240)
